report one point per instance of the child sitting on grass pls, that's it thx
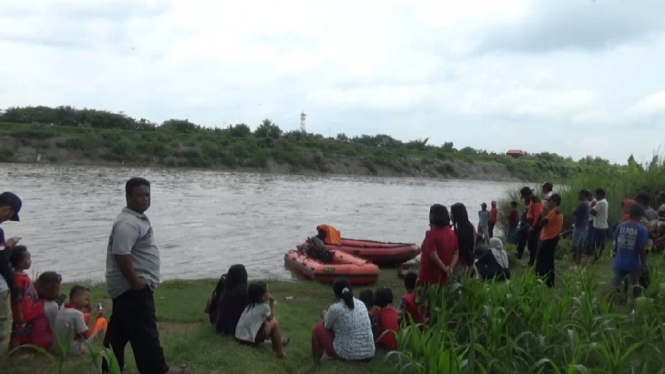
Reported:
(387, 319)
(70, 323)
(30, 323)
(258, 323)
(407, 307)
(48, 289)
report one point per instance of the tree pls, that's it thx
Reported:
(343, 138)
(179, 125)
(448, 147)
(267, 129)
(240, 130)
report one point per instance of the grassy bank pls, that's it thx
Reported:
(516, 327)
(268, 148)
(187, 336)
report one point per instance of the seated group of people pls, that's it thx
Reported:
(350, 330)
(245, 311)
(43, 317)
(385, 319)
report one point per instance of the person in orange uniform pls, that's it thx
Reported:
(533, 216)
(549, 239)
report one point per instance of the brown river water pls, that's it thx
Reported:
(205, 221)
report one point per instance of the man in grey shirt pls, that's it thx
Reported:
(132, 274)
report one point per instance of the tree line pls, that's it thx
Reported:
(102, 119)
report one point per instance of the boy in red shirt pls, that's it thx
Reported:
(387, 319)
(408, 309)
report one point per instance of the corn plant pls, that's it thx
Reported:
(521, 326)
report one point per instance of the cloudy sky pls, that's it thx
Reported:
(575, 77)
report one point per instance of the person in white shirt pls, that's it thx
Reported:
(599, 211)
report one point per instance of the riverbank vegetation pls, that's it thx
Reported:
(619, 184)
(498, 328)
(66, 134)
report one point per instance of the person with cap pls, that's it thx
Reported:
(484, 221)
(10, 206)
(494, 216)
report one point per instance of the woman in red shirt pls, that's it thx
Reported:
(439, 253)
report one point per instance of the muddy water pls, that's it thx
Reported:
(205, 221)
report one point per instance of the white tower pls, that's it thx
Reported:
(303, 128)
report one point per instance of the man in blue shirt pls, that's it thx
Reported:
(630, 238)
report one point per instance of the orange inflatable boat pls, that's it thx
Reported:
(382, 254)
(358, 271)
(379, 253)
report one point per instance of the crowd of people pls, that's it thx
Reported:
(36, 313)
(351, 329)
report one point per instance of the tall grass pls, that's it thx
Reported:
(522, 327)
(618, 183)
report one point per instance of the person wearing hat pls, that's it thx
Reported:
(10, 206)
(494, 215)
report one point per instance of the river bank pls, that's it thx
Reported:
(187, 336)
(293, 152)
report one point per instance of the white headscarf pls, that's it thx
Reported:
(500, 255)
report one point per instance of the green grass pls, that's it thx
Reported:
(188, 338)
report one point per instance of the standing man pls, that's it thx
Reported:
(547, 189)
(643, 199)
(630, 239)
(494, 215)
(599, 211)
(580, 225)
(132, 274)
(483, 222)
(10, 206)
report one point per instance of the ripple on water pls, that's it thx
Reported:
(205, 221)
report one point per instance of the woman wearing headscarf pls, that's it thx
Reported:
(439, 256)
(493, 264)
(466, 240)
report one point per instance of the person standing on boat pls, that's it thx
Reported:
(440, 254)
(132, 274)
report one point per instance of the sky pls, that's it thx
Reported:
(574, 77)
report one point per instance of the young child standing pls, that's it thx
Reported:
(30, 324)
(258, 323)
(549, 239)
(70, 322)
(387, 319)
(407, 307)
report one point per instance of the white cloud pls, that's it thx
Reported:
(478, 73)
